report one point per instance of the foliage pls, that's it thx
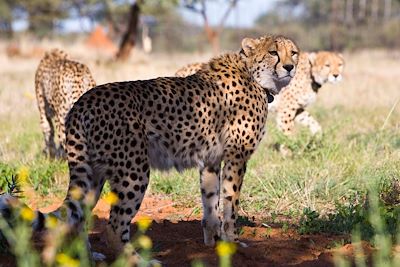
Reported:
(335, 25)
(61, 247)
(341, 221)
(7, 172)
(41, 174)
(332, 28)
(384, 234)
(356, 213)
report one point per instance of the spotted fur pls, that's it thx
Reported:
(59, 82)
(189, 69)
(314, 70)
(117, 131)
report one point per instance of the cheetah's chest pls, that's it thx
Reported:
(308, 98)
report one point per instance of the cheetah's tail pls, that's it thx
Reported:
(11, 209)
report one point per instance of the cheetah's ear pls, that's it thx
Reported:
(249, 45)
(312, 57)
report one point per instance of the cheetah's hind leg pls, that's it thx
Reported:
(210, 192)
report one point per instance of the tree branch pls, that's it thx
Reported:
(226, 14)
(191, 7)
(202, 11)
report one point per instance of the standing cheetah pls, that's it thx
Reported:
(59, 82)
(117, 131)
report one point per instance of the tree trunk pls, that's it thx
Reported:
(131, 33)
(213, 38)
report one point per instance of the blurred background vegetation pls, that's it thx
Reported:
(315, 24)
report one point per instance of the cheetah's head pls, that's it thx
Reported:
(272, 60)
(56, 54)
(326, 66)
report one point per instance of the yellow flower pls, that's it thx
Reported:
(225, 248)
(51, 222)
(145, 242)
(27, 214)
(29, 95)
(66, 261)
(23, 174)
(144, 223)
(76, 193)
(111, 198)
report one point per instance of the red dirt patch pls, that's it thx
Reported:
(178, 240)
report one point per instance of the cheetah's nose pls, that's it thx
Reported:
(335, 75)
(288, 67)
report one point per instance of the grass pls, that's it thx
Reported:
(322, 174)
(61, 246)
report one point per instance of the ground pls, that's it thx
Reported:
(360, 147)
(178, 238)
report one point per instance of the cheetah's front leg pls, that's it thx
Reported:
(233, 174)
(210, 184)
(285, 120)
(304, 118)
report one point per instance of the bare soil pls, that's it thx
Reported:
(178, 240)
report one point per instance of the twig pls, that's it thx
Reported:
(243, 211)
(390, 113)
(226, 14)
(12, 186)
(266, 225)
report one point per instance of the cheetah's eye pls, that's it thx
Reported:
(272, 52)
(294, 53)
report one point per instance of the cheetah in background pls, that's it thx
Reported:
(189, 69)
(59, 82)
(314, 70)
(117, 131)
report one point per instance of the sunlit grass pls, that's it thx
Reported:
(321, 171)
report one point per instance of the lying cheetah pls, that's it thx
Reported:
(59, 82)
(117, 131)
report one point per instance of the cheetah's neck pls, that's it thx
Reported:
(314, 85)
(227, 65)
